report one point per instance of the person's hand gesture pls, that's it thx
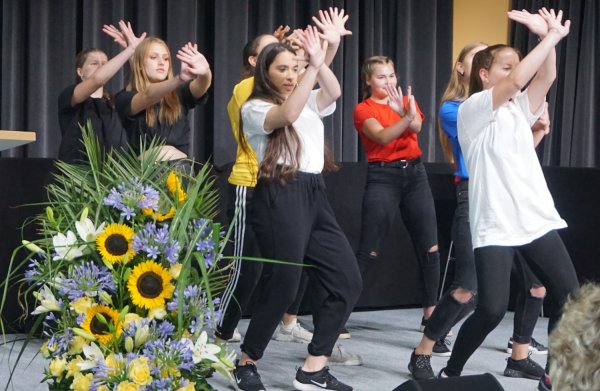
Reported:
(395, 99)
(314, 50)
(332, 24)
(125, 37)
(280, 32)
(193, 63)
(534, 22)
(554, 21)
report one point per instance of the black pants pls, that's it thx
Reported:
(405, 186)
(449, 311)
(551, 263)
(295, 223)
(244, 275)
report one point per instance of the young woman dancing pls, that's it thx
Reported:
(510, 210)
(291, 215)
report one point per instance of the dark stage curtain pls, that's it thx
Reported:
(573, 100)
(41, 38)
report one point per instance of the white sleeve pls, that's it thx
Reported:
(475, 113)
(254, 113)
(522, 100)
(312, 104)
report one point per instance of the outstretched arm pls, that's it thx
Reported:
(103, 74)
(535, 61)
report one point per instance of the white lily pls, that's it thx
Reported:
(93, 354)
(47, 301)
(65, 247)
(203, 350)
(87, 231)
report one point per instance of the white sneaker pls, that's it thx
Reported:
(294, 332)
(236, 337)
(340, 356)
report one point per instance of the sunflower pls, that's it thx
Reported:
(174, 186)
(97, 328)
(149, 285)
(114, 244)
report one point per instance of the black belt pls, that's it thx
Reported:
(400, 163)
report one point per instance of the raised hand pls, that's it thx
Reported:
(193, 63)
(125, 37)
(396, 100)
(314, 50)
(280, 32)
(554, 21)
(534, 22)
(543, 123)
(332, 24)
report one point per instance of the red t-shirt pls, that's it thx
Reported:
(404, 147)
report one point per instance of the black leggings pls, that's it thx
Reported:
(549, 260)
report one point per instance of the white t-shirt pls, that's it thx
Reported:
(509, 201)
(309, 128)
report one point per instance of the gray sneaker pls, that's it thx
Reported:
(294, 332)
(236, 337)
(340, 356)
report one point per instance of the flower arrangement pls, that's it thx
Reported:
(124, 275)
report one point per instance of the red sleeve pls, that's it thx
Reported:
(362, 112)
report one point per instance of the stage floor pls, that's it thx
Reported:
(385, 340)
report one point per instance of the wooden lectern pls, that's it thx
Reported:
(11, 139)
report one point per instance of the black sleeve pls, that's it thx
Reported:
(66, 112)
(187, 99)
(123, 104)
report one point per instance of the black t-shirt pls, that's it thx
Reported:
(105, 123)
(176, 134)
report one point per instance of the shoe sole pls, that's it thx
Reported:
(345, 336)
(533, 351)
(508, 372)
(290, 338)
(307, 387)
(445, 354)
(348, 363)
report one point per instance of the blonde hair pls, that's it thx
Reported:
(575, 343)
(456, 89)
(367, 70)
(170, 109)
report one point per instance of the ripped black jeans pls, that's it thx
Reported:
(407, 188)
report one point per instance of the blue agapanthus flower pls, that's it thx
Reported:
(128, 197)
(167, 352)
(87, 279)
(155, 241)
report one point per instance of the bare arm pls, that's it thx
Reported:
(103, 74)
(153, 94)
(380, 135)
(330, 87)
(286, 113)
(532, 63)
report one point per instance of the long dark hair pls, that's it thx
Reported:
(484, 60)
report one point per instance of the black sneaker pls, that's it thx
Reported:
(525, 368)
(247, 378)
(420, 366)
(441, 348)
(534, 347)
(320, 380)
